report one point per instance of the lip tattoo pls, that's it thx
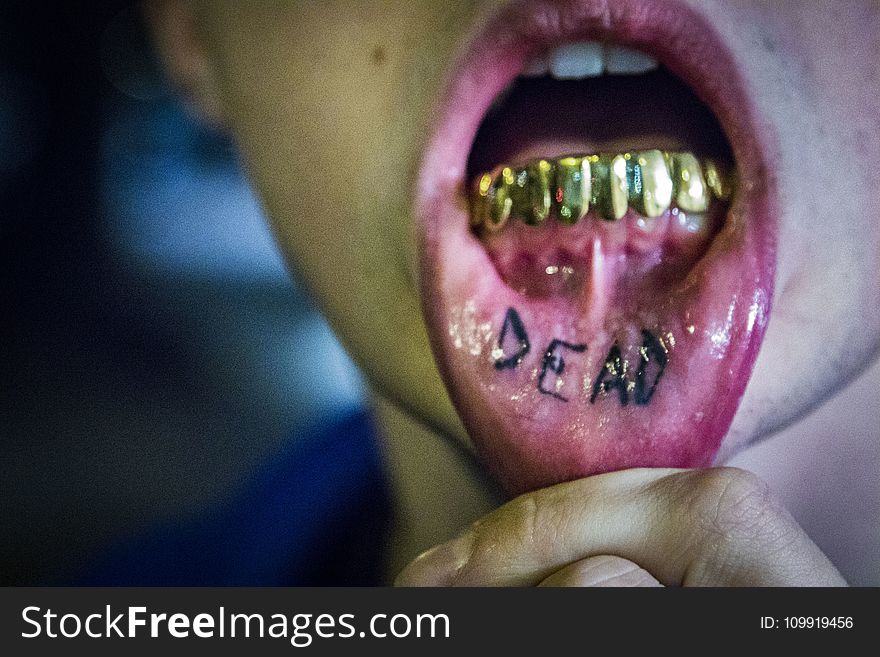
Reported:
(554, 362)
(653, 359)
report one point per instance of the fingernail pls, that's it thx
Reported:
(439, 566)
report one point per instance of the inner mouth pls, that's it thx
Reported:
(547, 116)
(602, 303)
(605, 189)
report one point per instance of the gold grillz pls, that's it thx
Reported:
(650, 182)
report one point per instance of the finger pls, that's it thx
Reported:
(604, 570)
(718, 526)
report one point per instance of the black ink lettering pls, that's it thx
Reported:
(653, 351)
(512, 322)
(554, 362)
(612, 376)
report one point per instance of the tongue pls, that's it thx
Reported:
(608, 370)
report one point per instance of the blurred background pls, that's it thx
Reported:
(156, 353)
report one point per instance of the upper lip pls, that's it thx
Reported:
(502, 42)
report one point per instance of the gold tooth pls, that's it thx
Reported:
(691, 191)
(541, 204)
(650, 183)
(609, 186)
(499, 201)
(480, 200)
(531, 192)
(572, 189)
(619, 186)
(519, 192)
(718, 179)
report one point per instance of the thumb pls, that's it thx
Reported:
(602, 570)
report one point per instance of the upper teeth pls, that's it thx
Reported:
(589, 59)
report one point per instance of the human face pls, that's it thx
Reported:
(672, 341)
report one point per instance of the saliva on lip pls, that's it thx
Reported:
(544, 275)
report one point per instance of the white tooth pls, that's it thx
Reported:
(536, 68)
(623, 61)
(573, 61)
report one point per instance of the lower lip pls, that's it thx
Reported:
(536, 427)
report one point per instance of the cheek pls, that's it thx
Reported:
(332, 101)
(825, 325)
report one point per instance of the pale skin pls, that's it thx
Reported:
(330, 103)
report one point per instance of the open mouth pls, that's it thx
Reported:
(596, 230)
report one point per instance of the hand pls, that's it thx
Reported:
(644, 527)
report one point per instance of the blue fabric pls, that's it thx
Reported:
(316, 515)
